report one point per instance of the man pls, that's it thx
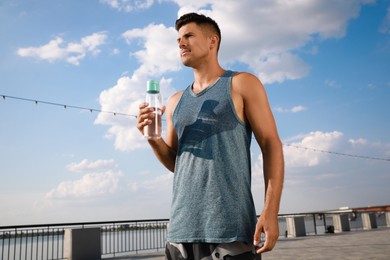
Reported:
(209, 129)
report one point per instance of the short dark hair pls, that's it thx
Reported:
(200, 20)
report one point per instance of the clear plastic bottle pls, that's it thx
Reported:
(154, 99)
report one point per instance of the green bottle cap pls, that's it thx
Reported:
(153, 86)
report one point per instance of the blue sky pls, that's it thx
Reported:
(325, 66)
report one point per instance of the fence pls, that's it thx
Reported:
(119, 238)
(319, 223)
(34, 242)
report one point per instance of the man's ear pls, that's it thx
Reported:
(214, 41)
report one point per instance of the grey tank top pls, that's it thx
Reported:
(212, 200)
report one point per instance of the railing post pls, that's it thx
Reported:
(296, 226)
(315, 224)
(324, 220)
(387, 218)
(341, 223)
(369, 220)
(82, 244)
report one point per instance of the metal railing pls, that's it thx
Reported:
(318, 223)
(31, 242)
(132, 236)
(46, 242)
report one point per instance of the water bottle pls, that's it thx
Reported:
(153, 98)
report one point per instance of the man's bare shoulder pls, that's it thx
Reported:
(173, 100)
(246, 83)
(176, 96)
(242, 77)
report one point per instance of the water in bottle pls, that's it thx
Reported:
(153, 98)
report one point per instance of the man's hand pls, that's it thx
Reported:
(270, 227)
(145, 116)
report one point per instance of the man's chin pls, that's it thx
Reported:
(186, 63)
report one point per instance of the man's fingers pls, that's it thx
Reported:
(144, 116)
(268, 245)
(262, 248)
(143, 123)
(143, 105)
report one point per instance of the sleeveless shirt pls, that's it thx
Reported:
(212, 200)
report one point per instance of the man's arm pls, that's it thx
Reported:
(165, 151)
(259, 115)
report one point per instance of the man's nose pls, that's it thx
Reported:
(182, 43)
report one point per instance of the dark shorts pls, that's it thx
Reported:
(209, 251)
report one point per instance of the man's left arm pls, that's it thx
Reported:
(259, 115)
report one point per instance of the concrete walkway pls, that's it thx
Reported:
(372, 244)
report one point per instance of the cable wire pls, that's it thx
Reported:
(338, 153)
(68, 106)
(129, 115)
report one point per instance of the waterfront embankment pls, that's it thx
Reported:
(362, 244)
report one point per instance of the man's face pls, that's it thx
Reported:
(193, 44)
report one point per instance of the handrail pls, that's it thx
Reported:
(80, 223)
(46, 241)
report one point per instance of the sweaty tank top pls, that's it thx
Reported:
(212, 200)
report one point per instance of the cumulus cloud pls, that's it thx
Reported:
(89, 186)
(359, 141)
(126, 96)
(86, 165)
(159, 52)
(73, 52)
(294, 109)
(103, 178)
(128, 5)
(266, 37)
(278, 67)
(296, 155)
(313, 150)
(158, 55)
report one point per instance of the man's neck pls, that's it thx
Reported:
(206, 76)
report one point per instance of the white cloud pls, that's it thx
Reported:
(359, 141)
(128, 5)
(50, 51)
(125, 97)
(94, 185)
(265, 34)
(294, 109)
(72, 52)
(385, 28)
(278, 68)
(296, 155)
(298, 109)
(158, 55)
(86, 165)
(365, 148)
(89, 186)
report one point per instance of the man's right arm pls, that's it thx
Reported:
(165, 150)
